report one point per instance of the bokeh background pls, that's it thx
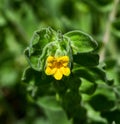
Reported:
(18, 21)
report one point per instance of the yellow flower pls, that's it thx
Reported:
(57, 67)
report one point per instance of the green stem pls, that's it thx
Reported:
(107, 34)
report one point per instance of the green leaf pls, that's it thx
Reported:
(81, 42)
(101, 102)
(73, 83)
(49, 102)
(53, 110)
(84, 73)
(30, 74)
(91, 74)
(98, 74)
(86, 59)
(71, 102)
(103, 2)
(87, 87)
(113, 115)
(37, 51)
(99, 6)
(37, 83)
(116, 28)
(42, 37)
(38, 77)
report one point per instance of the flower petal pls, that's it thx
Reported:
(63, 58)
(58, 75)
(50, 71)
(50, 59)
(50, 64)
(65, 71)
(65, 64)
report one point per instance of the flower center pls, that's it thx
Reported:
(58, 64)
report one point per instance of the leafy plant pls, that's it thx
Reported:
(72, 77)
(65, 93)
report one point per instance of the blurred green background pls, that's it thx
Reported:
(18, 21)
